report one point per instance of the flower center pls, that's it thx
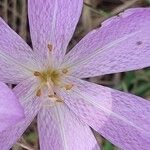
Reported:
(49, 80)
(52, 76)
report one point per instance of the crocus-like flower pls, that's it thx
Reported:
(11, 111)
(50, 84)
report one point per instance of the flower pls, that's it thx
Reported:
(10, 110)
(50, 84)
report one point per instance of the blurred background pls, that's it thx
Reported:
(14, 12)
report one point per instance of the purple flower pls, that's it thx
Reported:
(50, 84)
(10, 110)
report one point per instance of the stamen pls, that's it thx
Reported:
(55, 98)
(59, 100)
(65, 71)
(50, 47)
(51, 96)
(37, 74)
(50, 105)
(38, 93)
(54, 104)
(68, 86)
(50, 89)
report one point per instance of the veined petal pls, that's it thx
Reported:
(52, 22)
(16, 57)
(11, 111)
(121, 44)
(122, 118)
(31, 106)
(59, 129)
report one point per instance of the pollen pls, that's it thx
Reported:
(50, 47)
(37, 74)
(51, 96)
(69, 86)
(59, 100)
(55, 98)
(38, 93)
(65, 71)
(48, 81)
(48, 75)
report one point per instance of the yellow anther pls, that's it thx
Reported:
(65, 71)
(51, 96)
(59, 100)
(38, 93)
(50, 47)
(37, 74)
(68, 86)
(55, 98)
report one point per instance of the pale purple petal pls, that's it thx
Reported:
(31, 106)
(122, 118)
(16, 57)
(53, 22)
(60, 129)
(11, 111)
(121, 44)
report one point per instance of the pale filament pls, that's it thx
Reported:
(52, 94)
(53, 104)
(50, 87)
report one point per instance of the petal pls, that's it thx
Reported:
(26, 94)
(59, 129)
(11, 111)
(53, 22)
(16, 57)
(122, 118)
(121, 44)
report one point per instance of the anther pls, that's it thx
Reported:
(38, 93)
(68, 86)
(51, 96)
(59, 100)
(55, 98)
(37, 74)
(65, 71)
(50, 47)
